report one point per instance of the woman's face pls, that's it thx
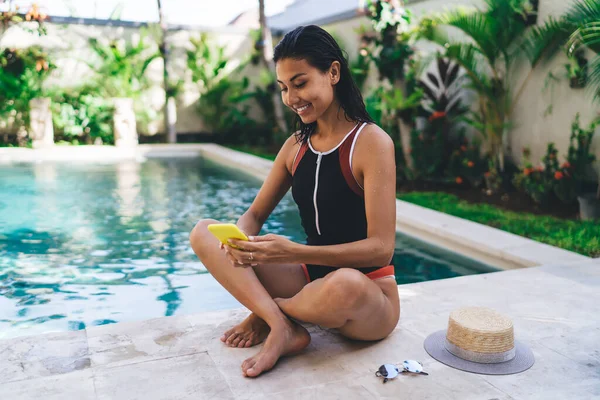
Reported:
(305, 89)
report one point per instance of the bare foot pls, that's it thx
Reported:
(286, 340)
(252, 331)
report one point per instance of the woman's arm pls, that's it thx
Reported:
(275, 186)
(375, 169)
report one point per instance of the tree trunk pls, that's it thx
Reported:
(169, 109)
(267, 48)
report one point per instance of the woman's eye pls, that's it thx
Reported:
(283, 89)
(300, 85)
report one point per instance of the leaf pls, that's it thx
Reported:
(433, 79)
(452, 74)
(443, 69)
(427, 90)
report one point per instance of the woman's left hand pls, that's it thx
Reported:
(267, 249)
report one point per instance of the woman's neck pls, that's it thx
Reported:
(333, 122)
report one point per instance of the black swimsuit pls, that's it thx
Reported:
(330, 201)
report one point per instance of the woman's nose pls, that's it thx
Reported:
(292, 98)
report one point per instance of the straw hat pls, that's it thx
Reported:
(479, 340)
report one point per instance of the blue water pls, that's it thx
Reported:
(91, 244)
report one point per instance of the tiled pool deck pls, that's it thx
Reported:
(555, 309)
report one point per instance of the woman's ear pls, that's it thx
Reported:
(334, 72)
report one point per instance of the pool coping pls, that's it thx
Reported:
(489, 245)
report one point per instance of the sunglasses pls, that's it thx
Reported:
(390, 371)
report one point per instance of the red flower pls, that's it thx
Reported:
(566, 165)
(558, 175)
(487, 174)
(459, 180)
(463, 148)
(470, 164)
(436, 115)
(527, 171)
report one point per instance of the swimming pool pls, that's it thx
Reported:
(90, 244)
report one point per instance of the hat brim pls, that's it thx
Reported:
(523, 360)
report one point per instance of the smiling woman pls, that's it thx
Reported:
(341, 168)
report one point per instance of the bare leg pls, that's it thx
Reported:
(347, 300)
(280, 281)
(285, 337)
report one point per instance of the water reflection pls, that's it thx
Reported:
(91, 244)
(94, 244)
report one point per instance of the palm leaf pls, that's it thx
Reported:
(587, 35)
(583, 11)
(470, 58)
(543, 42)
(594, 77)
(477, 26)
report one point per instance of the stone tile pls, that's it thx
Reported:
(185, 377)
(442, 382)
(541, 254)
(75, 385)
(553, 376)
(44, 355)
(338, 390)
(311, 367)
(480, 236)
(586, 273)
(134, 342)
(580, 346)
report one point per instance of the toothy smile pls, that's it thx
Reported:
(300, 110)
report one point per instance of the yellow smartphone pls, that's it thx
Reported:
(227, 231)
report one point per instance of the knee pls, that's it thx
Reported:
(199, 235)
(345, 287)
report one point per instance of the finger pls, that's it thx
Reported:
(265, 238)
(243, 245)
(234, 261)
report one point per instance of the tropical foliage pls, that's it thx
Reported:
(497, 34)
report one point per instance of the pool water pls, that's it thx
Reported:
(92, 244)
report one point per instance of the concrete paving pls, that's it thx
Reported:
(555, 310)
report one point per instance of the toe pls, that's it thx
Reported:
(248, 343)
(231, 338)
(249, 365)
(242, 343)
(235, 342)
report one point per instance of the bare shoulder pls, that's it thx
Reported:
(288, 151)
(373, 139)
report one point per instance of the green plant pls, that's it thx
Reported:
(393, 45)
(489, 59)
(440, 105)
(580, 156)
(565, 180)
(578, 28)
(577, 69)
(22, 76)
(120, 66)
(80, 116)
(467, 164)
(538, 182)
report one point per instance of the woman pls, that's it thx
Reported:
(342, 172)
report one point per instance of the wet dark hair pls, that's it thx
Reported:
(320, 50)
